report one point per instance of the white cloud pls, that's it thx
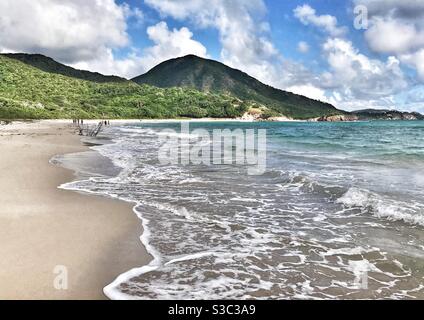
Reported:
(359, 79)
(352, 79)
(135, 14)
(170, 44)
(303, 47)
(310, 91)
(68, 30)
(106, 63)
(410, 9)
(388, 35)
(79, 33)
(397, 27)
(307, 15)
(415, 60)
(415, 96)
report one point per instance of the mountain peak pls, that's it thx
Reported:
(212, 76)
(190, 56)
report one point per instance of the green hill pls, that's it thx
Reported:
(212, 76)
(49, 65)
(27, 92)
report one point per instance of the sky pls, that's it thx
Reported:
(354, 54)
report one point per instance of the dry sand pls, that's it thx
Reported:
(42, 227)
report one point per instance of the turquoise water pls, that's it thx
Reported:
(338, 213)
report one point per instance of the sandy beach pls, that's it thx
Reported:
(42, 227)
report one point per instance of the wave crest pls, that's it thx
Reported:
(382, 207)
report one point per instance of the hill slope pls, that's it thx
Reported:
(212, 76)
(26, 92)
(49, 65)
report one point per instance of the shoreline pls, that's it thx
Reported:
(11, 123)
(123, 121)
(42, 226)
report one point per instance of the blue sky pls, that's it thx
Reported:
(309, 47)
(285, 29)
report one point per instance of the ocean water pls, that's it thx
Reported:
(338, 213)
